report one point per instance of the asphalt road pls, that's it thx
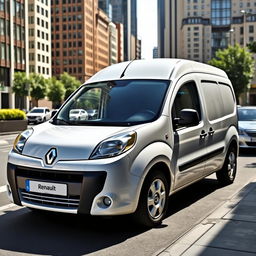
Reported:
(24, 232)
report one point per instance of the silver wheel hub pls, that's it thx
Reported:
(156, 198)
(231, 164)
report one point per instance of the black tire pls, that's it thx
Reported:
(144, 213)
(227, 174)
(44, 119)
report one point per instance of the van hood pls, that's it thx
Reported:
(71, 142)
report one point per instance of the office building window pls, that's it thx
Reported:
(2, 27)
(3, 57)
(251, 29)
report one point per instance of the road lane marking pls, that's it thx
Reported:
(6, 207)
(3, 189)
(4, 142)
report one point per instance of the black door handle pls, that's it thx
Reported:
(203, 134)
(211, 131)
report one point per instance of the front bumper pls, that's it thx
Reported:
(88, 182)
(246, 141)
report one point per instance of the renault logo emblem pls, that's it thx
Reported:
(51, 156)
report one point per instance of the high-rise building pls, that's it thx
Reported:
(113, 43)
(79, 38)
(138, 51)
(155, 52)
(39, 26)
(13, 53)
(120, 42)
(106, 6)
(125, 12)
(196, 29)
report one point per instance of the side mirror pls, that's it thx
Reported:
(187, 117)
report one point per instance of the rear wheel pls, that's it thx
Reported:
(153, 201)
(227, 174)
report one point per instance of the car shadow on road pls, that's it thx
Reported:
(192, 194)
(49, 233)
(46, 233)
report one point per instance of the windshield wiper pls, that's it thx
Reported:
(59, 120)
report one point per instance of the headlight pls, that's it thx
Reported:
(241, 132)
(114, 146)
(21, 139)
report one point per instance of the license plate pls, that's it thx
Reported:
(46, 187)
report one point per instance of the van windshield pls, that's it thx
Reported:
(122, 102)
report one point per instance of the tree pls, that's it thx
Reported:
(238, 63)
(252, 47)
(38, 86)
(20, 85)
(56, 92)
(70, 83)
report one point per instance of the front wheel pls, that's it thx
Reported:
(153, 201)
(227, 174)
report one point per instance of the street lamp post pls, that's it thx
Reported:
(231, 31)
(245, 13)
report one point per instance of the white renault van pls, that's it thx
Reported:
(159, 126)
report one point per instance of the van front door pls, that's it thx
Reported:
(189, 142)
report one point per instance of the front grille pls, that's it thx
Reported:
(50, 175)
(251, 134)
(251, 144)
(72, 179)
(32, 117)
(71, 202)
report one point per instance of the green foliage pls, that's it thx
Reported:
(70, 83)
(238, 63)
(12, 114)
(56, 91)
(38, 86)
(252, 47)
(20, 84)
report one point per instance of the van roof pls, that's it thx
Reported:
(166, 69)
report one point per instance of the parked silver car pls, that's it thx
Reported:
(38, 115)
(161, 125)
(247, 127)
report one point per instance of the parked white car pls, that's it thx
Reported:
(38, 115)
(78, 114)
(247, 127)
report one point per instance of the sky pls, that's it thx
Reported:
(147, 26)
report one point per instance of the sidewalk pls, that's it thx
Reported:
(230, 230)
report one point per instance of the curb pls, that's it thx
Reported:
(186, 240)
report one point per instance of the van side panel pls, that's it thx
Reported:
(221, 114)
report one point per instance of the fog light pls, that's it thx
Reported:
(107, 201)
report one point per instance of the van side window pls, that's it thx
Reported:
(213, 99)
(228, 98)
(187, 97)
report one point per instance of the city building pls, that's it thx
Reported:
(80, 38)
(138, 51)
(13, 53)
(101, 53)
(120, 42)
(39, 37)
(106, 6)
(196, 29)
(155, 52)
(113, 43)
(125, 12)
